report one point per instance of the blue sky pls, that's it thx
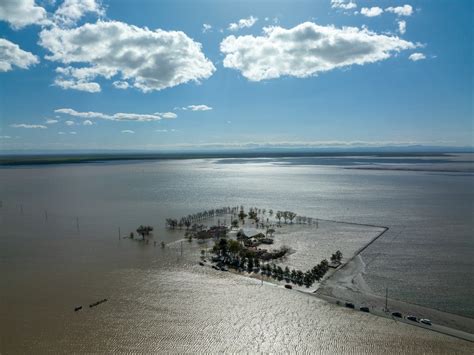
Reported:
(149, 75)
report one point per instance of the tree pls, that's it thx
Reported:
(144, 230)
(291, 216)
(253, 215)
(308, 279)
(279, 215)
(337, 256)
(279, 273)
(234, 247)
(187, 223)
(299, 277)
(223, 246)
(235, 223)
(293, 276)
(171, 223)
(242, 214)
(250, 265)
(270, 232)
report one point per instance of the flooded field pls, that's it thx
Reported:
(60, 248)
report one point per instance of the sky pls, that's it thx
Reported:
(189, 74)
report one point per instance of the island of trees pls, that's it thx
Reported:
(243, 254)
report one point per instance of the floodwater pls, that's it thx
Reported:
(59, 248)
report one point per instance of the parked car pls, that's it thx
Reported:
(412, 318)
(349, 305)
(288, 286)
(397, 314)
(425, 321)
(365, 309)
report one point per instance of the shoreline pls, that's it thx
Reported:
(346, 284)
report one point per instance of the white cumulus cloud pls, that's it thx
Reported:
(121, 85)
(197, 108)
(30, 126)
(371, 12)
(69, 123)
(243, 23)
(71, 11)
(167, 114)
(51, 121)
(114, 117)
(402, 27)
(87, 123)
(416, 57)
(405, 10)
(148, 60)
(128, 131)
(12, 55)
(77, 85)
(306, 50)
(21, 13)
(206, 28)
(343, 4)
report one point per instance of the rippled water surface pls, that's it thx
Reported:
(59, 248)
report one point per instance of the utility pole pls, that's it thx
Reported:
(119, 233)
(386, 299)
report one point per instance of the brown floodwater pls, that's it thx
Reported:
(59, 248)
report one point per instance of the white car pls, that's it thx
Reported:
(425, 321)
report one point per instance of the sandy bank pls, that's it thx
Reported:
(347, 285)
